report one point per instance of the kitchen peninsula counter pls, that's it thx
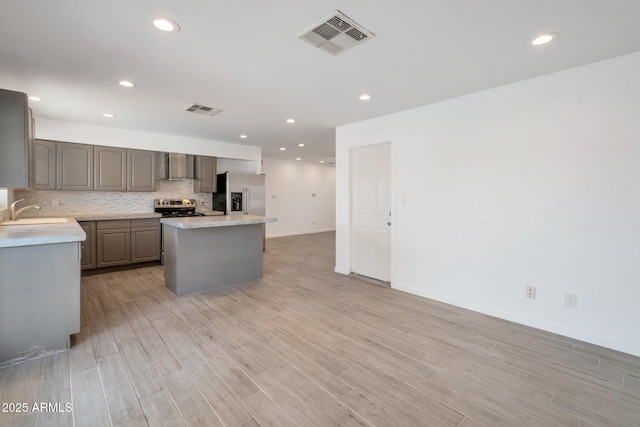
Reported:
(205, 253)
(39, 288)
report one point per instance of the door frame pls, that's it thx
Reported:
(392, 200)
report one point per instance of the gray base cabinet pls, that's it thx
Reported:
(113, 243)
(39, 299)
(123, 242)
(145, 240)
(88, 247)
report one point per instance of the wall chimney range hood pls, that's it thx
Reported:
(175, 166)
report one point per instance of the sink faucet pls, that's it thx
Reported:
(15, 214)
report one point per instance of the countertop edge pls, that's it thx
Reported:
(217, 221)
(40, 234)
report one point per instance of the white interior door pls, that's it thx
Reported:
(370, 207)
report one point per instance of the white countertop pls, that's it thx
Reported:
(101, 216)
(216, 221)
(40, 234)
(113, 216)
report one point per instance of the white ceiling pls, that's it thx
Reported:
(243, 56)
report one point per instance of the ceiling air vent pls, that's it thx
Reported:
(335, 34)
(203, 109)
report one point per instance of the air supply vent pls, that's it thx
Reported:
(335, 34)
(203, 109)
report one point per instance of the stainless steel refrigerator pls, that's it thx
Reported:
(240, 194)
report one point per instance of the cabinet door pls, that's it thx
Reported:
(14, 139)
(88, 247)
(44, 165)
(145, 244)
(113, 247)
(74, 166)
(141, 174)
(110, 167)
(206, 174)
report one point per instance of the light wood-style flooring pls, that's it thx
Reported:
(305, 346)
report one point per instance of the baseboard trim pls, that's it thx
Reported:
(555, 328)
(342, 270)
(297, 233)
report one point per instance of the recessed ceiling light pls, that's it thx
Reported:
(243, 136)
(166, 24)
(34, 98)
(109, 115)
(291, 121)
(321, 161)
(282, 149)
(297, 158)
(126, 83)
(544, 38)
(365, 97)
(301, 145)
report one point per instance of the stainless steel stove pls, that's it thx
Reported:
(174, 208)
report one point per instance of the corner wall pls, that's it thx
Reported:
(535, 183)
(290, 186)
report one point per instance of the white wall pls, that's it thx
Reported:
(116, 137)
(535, 183)
(290, 186)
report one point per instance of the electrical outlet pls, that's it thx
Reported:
(55, 202)
(570, 300)
(530, 292)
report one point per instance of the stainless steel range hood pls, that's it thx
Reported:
(175, 166)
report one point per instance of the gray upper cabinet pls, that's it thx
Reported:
(74, 166)
(62, 166)
(141, 170)
(16, 138)
(110, 167)
(122, 169)
(206, 172)
(44, 165)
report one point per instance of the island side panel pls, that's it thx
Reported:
(201, 259)
(39, 299)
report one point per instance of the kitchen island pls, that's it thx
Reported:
(205, 253)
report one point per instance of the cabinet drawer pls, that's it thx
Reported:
(145, 222)
(118, 223)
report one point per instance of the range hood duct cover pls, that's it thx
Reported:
(175, 166)
(335, 34)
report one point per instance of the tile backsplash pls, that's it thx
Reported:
(89, 202)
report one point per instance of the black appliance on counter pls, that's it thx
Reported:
(175, 208)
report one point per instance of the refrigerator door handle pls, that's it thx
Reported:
(246, 201)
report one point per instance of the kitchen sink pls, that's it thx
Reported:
(35, 221)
